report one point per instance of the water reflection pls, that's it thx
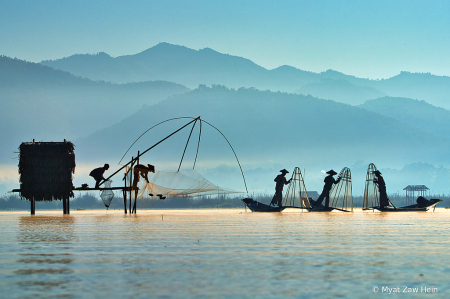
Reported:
(44, 258)
(49, 229)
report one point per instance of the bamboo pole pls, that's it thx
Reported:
(133, 161)
(131, 182)
(125, 200)
(150, 149)
(124, 192)
(136, 191)
(187, 143)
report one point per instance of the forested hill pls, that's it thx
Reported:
(38, 102)
(15, 72)
(418, 114)
(287, 128)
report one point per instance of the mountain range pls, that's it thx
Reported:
(274, 119)
(194, 67)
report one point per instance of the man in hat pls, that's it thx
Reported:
(97, 174)
(329, 182)
(280, 181)
(141, 170)
(379, 181)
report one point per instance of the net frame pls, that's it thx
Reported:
(371, 192)
(296, 195)
(341, 194)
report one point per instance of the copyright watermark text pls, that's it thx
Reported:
(404, 289)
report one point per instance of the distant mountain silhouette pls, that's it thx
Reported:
(269, 131)
(38, 102)
(206, 66)
(264, 125)
(418, 114)
(433, 89)
(341, 91)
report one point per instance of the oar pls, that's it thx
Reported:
(392, 204)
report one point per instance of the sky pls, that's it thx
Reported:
(369, 39)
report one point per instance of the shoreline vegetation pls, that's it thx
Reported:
(89, 201)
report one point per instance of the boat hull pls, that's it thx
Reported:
(410, 208)
(256, 206)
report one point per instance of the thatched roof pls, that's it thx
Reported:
(46, 170)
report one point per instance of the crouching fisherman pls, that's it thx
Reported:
(280, 181)
(141, 170)
(97, 174)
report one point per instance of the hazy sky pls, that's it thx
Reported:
(370, 39)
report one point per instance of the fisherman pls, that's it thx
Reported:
(97, 174)
(422, 201)
(280, 181)
(329, 182)
(141, 170)
(379, 181)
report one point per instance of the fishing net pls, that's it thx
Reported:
(341, 194)
(371, 192)
(296, 195)
(107, 195)
(184, 183)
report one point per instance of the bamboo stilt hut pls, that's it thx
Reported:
(46, 170)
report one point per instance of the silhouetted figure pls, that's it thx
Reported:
(379, 181)
(422, 201)
(280, 182)
(141, 170)
(329, 182)
(97, 174)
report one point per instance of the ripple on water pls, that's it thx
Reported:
(221, 253)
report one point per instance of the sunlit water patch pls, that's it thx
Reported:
(224, 253)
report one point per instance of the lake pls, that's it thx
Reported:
(224, 253)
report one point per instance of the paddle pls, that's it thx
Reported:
(392, 204)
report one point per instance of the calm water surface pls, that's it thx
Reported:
(224, 253)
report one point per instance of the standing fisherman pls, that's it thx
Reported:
(379, 181)
(329, 182)
(281, 181)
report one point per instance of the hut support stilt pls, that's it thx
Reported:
(68, 206)
(33, 207)
(125, 200)
(131, 199)
(64, 207)
(135, 199)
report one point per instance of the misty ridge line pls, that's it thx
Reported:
(194, 67)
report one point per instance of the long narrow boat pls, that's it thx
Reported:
(322, 208)
(296, 196)
(256, 206)
(411, 208)
(372, 197)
